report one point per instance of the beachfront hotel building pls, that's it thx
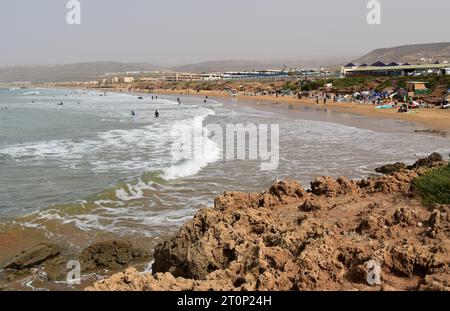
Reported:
(128, 79)
(393, 69)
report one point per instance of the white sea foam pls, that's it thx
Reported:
(31, 93)
(133, 192)
(192, 149)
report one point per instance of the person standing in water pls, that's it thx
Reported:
(156, 114)
(133, 113)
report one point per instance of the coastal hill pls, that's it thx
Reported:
(249, 65)
(408, 53)
(94, 70)
(67, 72)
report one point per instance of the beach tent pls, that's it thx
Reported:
(379, 64)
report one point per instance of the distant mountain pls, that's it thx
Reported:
(248, 65)
(67, 72)
(408, 53)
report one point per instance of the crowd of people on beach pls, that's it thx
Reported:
(381, 100)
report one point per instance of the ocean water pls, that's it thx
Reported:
(89, 169)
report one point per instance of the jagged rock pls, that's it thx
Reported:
(132, 280)
(313, 204)
(430, 161)
(370, 225)
(436, 282)
(403, 216)
(408, 260)
(391, 168)
(112, 254)
(439, 222)
(325, 185)
(288, 239)
(33, 257)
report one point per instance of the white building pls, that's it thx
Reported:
(128, 79)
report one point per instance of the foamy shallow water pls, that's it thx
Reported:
(88, 168)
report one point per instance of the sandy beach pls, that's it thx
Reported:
(432, 118)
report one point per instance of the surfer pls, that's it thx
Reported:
(156, 114)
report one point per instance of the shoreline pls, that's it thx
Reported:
(436, 121)
(199, 97)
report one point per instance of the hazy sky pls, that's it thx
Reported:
(182, 31)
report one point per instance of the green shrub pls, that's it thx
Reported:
(434, 187)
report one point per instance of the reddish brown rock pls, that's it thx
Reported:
(288, 239)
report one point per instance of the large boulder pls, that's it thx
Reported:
(391, 168)
(33, 257)
(431, 161)
(111, 254)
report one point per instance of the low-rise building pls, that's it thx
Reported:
(380, 69)
(128, 79)
(417, 88)
(183, 77)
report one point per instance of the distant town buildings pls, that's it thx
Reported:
(128, 79)
(394, 69)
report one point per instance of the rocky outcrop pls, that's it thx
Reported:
(432, 160)
(332, 237)
(391, 168)
(49, 262)
(33, 257)
(113, 255)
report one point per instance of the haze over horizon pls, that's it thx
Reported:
(169, 33)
